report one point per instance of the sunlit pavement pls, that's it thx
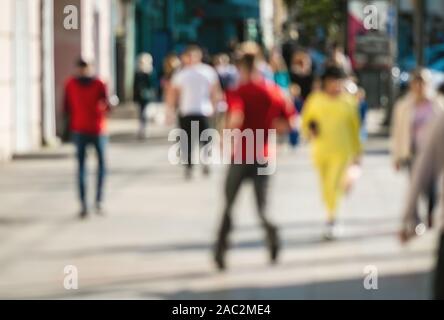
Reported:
(156, 240)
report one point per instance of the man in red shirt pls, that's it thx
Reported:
(255, 107)
(86, 105)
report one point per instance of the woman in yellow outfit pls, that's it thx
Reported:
(330, 121)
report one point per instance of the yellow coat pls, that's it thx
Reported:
(338, 123)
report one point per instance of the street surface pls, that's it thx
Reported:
(156, 240)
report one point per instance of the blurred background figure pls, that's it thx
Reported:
(195, 92)
(86, 104)
(281, 75)
(429, 166)
(338, 58)
(331, 123)
(413, 115)
(252, 48)
(298, 102)
(363, 110)
(257, 104)
(301, 72)
(441, 89)
(229, 79)
(145, 89)
(171, 64)
(227, 72)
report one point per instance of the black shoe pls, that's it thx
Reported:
(83, 214)
(430, 221)
(273, 245)
(219, 257)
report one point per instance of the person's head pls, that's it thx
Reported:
(171, 63)
(145, 63)
(441, 89)
(301, 63)
(420, 83)
(251, 48)
(221, 60)
(193, 54)
(247, 65)
(84, 68)
(333, 81)
(337, 55)
(337, 48)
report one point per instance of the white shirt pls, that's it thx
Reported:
(195, 84)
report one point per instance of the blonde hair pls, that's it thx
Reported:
(145, 63)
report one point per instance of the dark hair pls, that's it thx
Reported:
(81, 63)
(247, 61)
(334, 73)
(441, 88)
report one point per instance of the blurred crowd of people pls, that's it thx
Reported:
(249, 89)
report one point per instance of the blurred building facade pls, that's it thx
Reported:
(38, 50)
(20, 79)
(37, 53)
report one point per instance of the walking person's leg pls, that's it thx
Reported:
(100, 143)
(142, 119)
(439, 273)
(410, 166)
(204, 124)
(261, 183)
(332, 171)
(335, 185)
(432, 195)
(81, 142)
(186, 150)
(233, 182)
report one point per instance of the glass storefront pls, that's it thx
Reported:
(433, 35)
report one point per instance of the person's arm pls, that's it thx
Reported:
(308, 117)
(216, 92)
(172, 96)
(429, 165)
(355, 126)
(216, 95)
(104, 97)
(235, 114)
(394, 136)
(136, 91)
(287, 120)
(66, 102)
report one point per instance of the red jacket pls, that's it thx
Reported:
(260, 102)
(86, 103)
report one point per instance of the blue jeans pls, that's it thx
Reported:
(82, 141)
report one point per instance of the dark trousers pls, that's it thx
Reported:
(431, 193)
(237, 174)
(439, 272)
(186, 124)
(142, 113)
(82, 142)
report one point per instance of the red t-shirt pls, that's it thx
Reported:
(260, 102)
(86, 103)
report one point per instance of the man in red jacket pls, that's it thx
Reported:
(86, 104)
(258, 107)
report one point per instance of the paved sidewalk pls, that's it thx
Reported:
(155, 242)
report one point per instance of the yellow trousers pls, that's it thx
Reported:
(331, 170)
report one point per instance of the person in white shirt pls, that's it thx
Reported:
(195, 92)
